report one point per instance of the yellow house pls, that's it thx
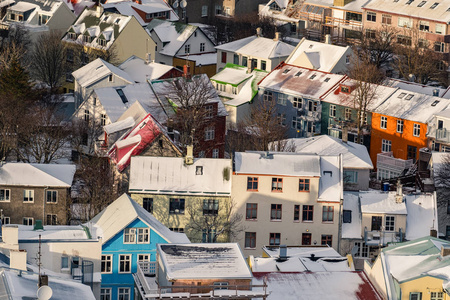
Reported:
(415, 270)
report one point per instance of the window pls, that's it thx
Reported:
(187, 49)
(69, 55)
(347, 216)
(250, 240)
(422, 43)
(404, 40)
(416, 130)
(69, 77)
(106, 266)
(202, 47)
(296, 213)
(64, 262)
(439, 29)
(306, 238)
(72, 36)
(386, 146)
(274, 239)
(4, 194)
(52, 196)
(102, 42)
(350, 176)
(424, 26)
(244, 61)
(421, 4)
(143, 236)
(52, 219)
(252, 184)
(209, 236)
(209, 133)
(389, 223)
(129, 235)
(376, 223)
(177, 229)
(215, 153)
(6, 220)
(124, 263)
(263, 65)
(362, 250)
(411, 152)
(415, 296)
(383, 123)
(447, 232)
(327, 214)
(27, 221)
(371, 17)
(210, 207)
(277, 184)
(220, 285)
(439, 47)
(433, 6)
(275, 212)
(102, 119)
(218, 9)
(370, 33)
(204, 10)
(235, 59)
(124, 293)
(312, 106)
(147, 203)
(404, 22)
(307, 213)
(251, 211)
(400, 126)
(224, 57)
(28, 195)
(86, 115)
(326, 240)
(437, 296)
(105, 294)
(297, 103)
(234, 90)
(332, 110)
(176, 206)
(282, 99)
(267, 96)
(303, 185)
(87, 39)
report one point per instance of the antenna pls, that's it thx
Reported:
(44, 293)
(39, 264)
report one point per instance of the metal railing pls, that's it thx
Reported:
(382, 237)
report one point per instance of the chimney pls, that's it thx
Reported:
(433, 233)
(277, 36)
(436, 92)
(399, 193)
(189, 159)
(11, 236)
(148, 58)
(445, 250)
(327, 39)
(18, 259)
(258, 32)
(99, 11)
(186, 71)
(345, 134)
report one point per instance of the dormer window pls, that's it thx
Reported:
(87, 39)
(345, 89)
(72, 36)
(102, 42)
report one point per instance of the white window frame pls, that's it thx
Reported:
(143, 258)
(204, 10)
(28, 194)
(372, 16)
(439, 28)
(102, 119)
(123, 292)
(351, 176)
(215, 153)
(53, 200)
(386, 145)
(28, 219)
(107, 258)
(387, 227)
(282, 99)
(332, 110)
(202, 47)
(416, 130)
(417, 294)
(124, 258)
(348, 114)
(297, 102)
(400, 124)
(220, 285)
(404, 22)
(6, 220)
(6, 195)
(383, 122)
(142, 233)
(209, 133)
(361, 250)
(130, 234)
(436, 296)
(187, 48)
(105, 294)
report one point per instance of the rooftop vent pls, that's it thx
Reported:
(409, 97)
(436, 92)
(283, 253)
(38, 225)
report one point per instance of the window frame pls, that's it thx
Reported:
(249, 240)
(296, 213)
(122, 263)
(386, 19)
(65, 265)
(391, 220)
(251, 211)
(129, 233)
(53, 196)
(304, 185)
(416, 130)
(400, 125)
(371, 16)
(332, 111)
(145, 204)
(144, 234)
(308, 213)
(274, 239)
(53, 219)
(326, 210)
(28, 219)
(276, 211)
(306, 236)
(277, 185)
(125, 292)
(27, 195)
(105, 293)
(386, 146)
(6, 195)
(383, 122)
(187, 48)
(202, 47)
(326, 239)
(251, 179)
(106, 264)
(181, 203)
(210, 133)
(214, 203)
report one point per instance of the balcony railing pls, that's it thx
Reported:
(387, 161)
(382, 238)
(331, 21)
(443, 135)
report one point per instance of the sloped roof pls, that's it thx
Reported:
(355, 156)
(261, 47)
(300, 81)
(321, 56)
(124, 210)
(97, 70)
(331, 181)
(140, 71)
(352, 230)
(422, 215)
(416, 87)
(204, 261)
(53, 175)
(170, 175)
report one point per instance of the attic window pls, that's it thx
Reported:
(298, 73)
(434, 5)
(312, 76)
(435, 103)
(345, 89)
(199, 170)
(409, 2)
(286, 71)
(122, 96)
(327, 79)
(117, 21)
(421, 3)
(401, 95)
(105, 18)
(409, 97)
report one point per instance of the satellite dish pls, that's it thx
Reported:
(44, 292)
(175, 4)
(183, 3)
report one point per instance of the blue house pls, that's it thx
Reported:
(129, 235)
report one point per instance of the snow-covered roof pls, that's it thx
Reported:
(416, 87)
(331, 181)
(23, 6)
(381, 202)
(119, 125)
(302, 82)
(430, 11)
(352, 230)
(301, 251)
(115, 105)
(170, 175)
(52, 175)
(412, 106)
(24, 285)
(422, 215)
(205, 59)
(317, 55)
(53, 233)
(203, 261)
(318, 285)
(287, 164)
(97, 70)
(355, 156)
(124, 210)
(261, 47)
(141, 71)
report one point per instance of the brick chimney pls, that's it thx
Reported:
(258, 32)
(445, 250)
(277, 36)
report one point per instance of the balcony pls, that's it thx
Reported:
(387, 161)
(338, 22)
(382, 238)
(443, 135)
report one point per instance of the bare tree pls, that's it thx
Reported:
(48, 59)
(215, 220)
(377, 46)
(15, 43)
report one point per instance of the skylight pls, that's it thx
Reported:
(435, 103)
(401, 95)
(409, 2)
(298, 74)
(312, 76)
(448, 9)
(434, 5)
(421, 3)
(327, 79)
(286, 71)
(409, 97)
(122, 96)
